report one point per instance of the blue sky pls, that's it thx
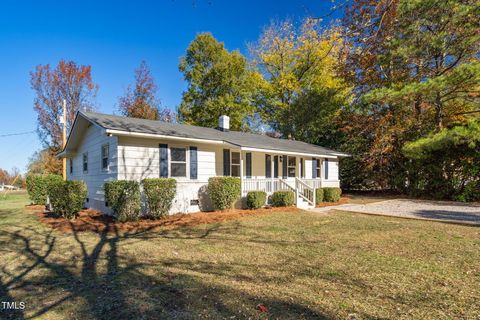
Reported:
(113, 37)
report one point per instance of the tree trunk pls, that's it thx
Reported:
(438, 112)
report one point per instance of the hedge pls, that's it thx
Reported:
(318, 195)
(283, 198)
(332, 194)
(159, 195)
(256, 199)
(223, 191)
(37, 187)
(67, 197)
(470, 192)
(123, 196)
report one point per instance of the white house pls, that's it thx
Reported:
(7, 187)
(103, 147)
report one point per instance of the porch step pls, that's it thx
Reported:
(302, 204)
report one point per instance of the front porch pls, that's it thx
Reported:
(304, 189)
(270, 172)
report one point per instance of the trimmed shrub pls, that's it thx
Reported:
(332, 194)
(123, 196)
(223, 191)
(37, 187)
(318, 195)
(256, 199)
(159, 195)
(283, 198)
(67, 197)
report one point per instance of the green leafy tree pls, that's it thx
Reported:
(414, 66)
(448, 163)
(303, 91)
(219, 82)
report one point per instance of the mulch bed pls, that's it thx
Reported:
(92, 220)
(343, 200)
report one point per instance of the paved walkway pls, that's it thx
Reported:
(419, 209)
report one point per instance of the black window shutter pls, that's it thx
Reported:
(275, 166)
(163, 160)
(325, 163)
(268, 166)
(302, 169)
(193, 163)
(284, 166)
(314, 168)
(249, 164)
(226, 162)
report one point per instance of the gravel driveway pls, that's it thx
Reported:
(419, 209)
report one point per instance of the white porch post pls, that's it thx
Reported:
(241, 173)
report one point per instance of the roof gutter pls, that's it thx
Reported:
(158, 136)
(323, 155)
(341, 154)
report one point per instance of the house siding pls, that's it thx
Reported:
(140, 158)
(132, 158)
(333, 179)
(92, 142)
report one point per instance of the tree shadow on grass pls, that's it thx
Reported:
(459, 216)
(99, 283)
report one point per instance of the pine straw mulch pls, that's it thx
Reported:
(343, 200)
(95, 221)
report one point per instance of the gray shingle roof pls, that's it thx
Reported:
(242, 139)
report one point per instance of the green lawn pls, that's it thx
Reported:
(299, 265)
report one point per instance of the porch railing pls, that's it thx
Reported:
(284, 185)
(303, 188)
(271, 185)
(267, 185)
(313, 183)
(305, 192)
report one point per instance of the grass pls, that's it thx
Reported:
(298, 265)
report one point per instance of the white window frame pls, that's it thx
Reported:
(289, 167)
(85, 156)
(235, 164)
(107, 168)
(170, 161)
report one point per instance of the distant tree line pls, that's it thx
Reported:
(13, 177)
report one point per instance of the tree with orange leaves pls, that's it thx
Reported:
(141, 101)
(415, 69)
(67, 81)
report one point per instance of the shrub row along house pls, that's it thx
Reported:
(103, 148)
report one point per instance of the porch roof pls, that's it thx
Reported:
(117, 125)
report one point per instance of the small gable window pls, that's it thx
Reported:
(85, 162)
(105, 155)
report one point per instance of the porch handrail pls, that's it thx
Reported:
(305, 191)
(283, 182)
